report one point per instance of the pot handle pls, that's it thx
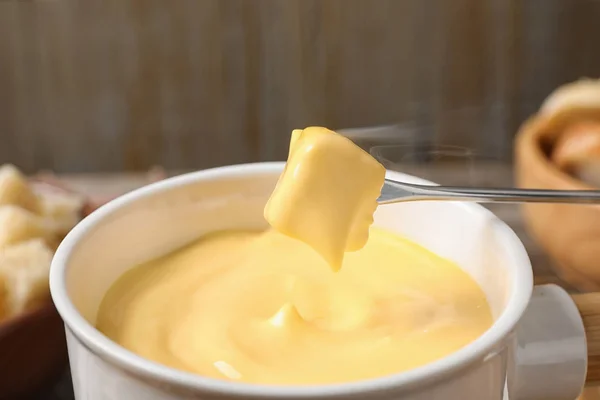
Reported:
(588, 305)
(550, 357)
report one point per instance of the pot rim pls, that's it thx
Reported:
(90, 337)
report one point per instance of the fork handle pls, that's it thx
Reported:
(493, 195)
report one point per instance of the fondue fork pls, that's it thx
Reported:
(396, 191)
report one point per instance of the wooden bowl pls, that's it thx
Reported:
(569, 233)
(33, 351)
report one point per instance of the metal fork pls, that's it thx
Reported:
(395, 191)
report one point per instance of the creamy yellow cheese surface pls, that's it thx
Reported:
(266, 308)
(320, 298)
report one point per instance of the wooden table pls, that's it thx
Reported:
(488, 174)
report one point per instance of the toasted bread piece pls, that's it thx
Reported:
(317, 159)
(577, 151)
(62, 211)
(15, 190)
(24, 270)
(584, 94)
(580, 141)
(18, 224)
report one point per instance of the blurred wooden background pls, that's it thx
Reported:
(126, 84)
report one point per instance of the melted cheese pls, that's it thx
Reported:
(265, 308)
(345, 302)
(327, 193)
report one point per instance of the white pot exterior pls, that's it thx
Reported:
(161, 217)
(95, 379)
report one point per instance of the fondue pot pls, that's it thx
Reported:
(536, 348)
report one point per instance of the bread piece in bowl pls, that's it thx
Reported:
(577, 151)
(581, 94)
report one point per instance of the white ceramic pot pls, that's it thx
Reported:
(537, 352)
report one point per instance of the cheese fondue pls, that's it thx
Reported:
(321, 298)
(327, 193)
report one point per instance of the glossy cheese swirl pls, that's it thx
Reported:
(265, 308)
